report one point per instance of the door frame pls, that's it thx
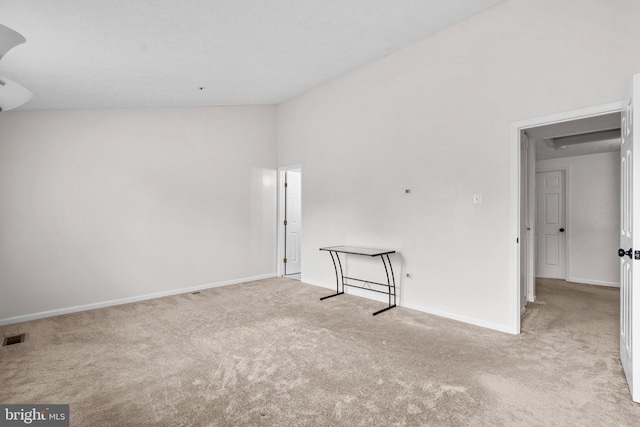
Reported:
(567, 225)
(280, 237)
(514, 233)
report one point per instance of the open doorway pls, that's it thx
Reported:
(572, 229)
(290, 222)
(543, 145)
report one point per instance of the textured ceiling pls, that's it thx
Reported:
(157, 53)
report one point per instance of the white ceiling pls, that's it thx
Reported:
(154, 53)
(575, 127)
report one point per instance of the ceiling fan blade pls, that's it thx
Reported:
(12, 95)
(9, 39)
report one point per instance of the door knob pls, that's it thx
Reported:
(622, 253)
(562, 230)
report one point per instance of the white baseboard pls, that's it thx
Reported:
(594, 282)
(93, 306)
(464, 319)
(382, 298)
(321, 285)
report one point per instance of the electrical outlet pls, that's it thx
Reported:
(477, 199)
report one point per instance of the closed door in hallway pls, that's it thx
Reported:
(550, 224)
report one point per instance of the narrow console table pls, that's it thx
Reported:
(340, 277)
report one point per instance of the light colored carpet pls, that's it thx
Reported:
(270, 353)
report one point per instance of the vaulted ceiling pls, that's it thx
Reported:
(158, 53)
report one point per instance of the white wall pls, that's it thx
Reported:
(110, 204)
(593, 207)
(435, 117)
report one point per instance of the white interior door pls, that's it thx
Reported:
(293, 229)
(550, 224)
(630, 241)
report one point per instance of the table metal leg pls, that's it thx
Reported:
(339, 278)
(384, 309)
(391, 287)
(393, 278)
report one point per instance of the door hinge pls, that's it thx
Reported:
(285, 260)
(285, 185)
(285, 222)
